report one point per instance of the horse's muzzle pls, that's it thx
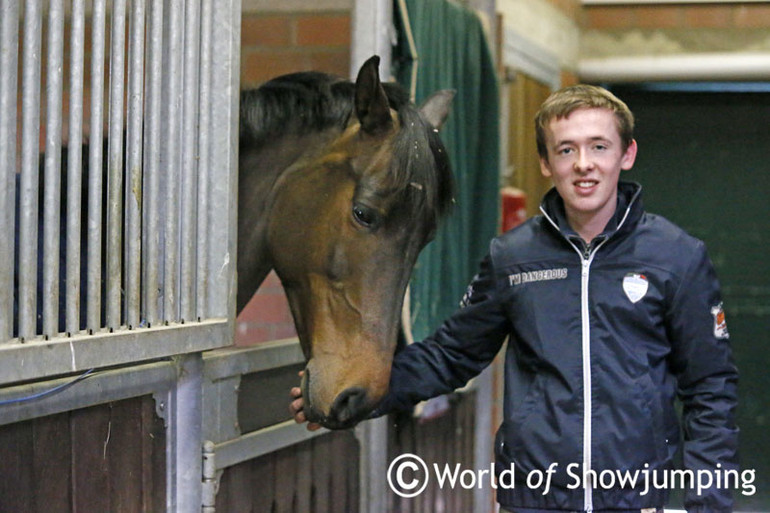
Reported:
(350, 407)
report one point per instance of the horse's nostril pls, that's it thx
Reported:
(349, 406)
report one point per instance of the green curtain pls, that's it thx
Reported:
(452, 52)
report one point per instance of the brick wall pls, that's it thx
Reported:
(668, 29)
(274, 44)
(278, 43)
(266, 317)
(680, 16)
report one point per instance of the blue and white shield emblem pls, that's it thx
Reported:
(635, 286)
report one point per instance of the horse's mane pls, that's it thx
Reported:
(307, 102)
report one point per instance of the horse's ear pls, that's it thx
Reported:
(436, 108)
(372, 108)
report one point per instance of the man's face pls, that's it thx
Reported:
(585, 157)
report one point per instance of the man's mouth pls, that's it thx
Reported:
(586, 184)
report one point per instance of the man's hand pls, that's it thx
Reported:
(297, 405)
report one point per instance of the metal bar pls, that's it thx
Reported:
(30, 174)
(100, 387)
(223, 157)
(134, 165)
(9, 55)
(114, 231)
(261, 442)
(75, 167)
(171, 152)
(95, 162)
(39, 359)
(151, 186)
(183, 452)
(373, 438)
(52, 187)
(204, 165)
(189, 169)
(237, 361)
(483, 427)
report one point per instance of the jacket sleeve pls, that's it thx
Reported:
(707, 382)
(459, 350)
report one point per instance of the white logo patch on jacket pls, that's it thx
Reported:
(535, 276)
(720, 323)
(635, 286)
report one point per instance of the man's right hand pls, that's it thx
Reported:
(296, 407)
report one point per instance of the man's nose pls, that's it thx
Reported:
(583, 162)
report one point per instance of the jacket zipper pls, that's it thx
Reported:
(586, 257)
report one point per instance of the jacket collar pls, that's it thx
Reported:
(627, 213)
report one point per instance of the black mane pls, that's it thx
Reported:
(307, 102)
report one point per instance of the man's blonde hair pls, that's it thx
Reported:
(565, 101)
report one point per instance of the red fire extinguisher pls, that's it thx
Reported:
(514, 205)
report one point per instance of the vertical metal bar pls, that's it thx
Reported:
(223, 157)
(95, 163)
(171, 152)
(373, 438)
(114, 205)
(9, 54)
(185, 432)
(151, 232)
(75, 167)
(188, 219)
(204, 166)
(134, 164)
(30, 159)
(52, 182)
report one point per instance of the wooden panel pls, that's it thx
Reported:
(16, 474)
(263, 397)
(319, 475)
(525, 95)
(51, 455)
(91, 483)
(106, 458)
(448, 439)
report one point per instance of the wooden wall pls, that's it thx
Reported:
(316, 476)
(106, 458)
(446, 439)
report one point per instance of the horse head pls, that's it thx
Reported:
(343, 225)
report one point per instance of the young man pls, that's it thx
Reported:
(611, 313)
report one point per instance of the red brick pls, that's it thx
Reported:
(752, 16)
(271, 31)
(323, 30)
(248, 334)
(259, 66)
(708, 16)
(657, 16)
(608, 17)
(336, 62)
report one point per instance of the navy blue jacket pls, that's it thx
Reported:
(602, 339)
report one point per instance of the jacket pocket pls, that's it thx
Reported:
(654, 428)
(510, 437)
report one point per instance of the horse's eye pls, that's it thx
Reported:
(365, 216)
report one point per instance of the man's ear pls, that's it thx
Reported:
(545, 167)
(629, 157)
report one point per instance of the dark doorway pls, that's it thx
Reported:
(704, 163)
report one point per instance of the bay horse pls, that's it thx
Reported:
(341, 186)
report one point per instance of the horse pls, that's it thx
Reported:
(341, 184)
